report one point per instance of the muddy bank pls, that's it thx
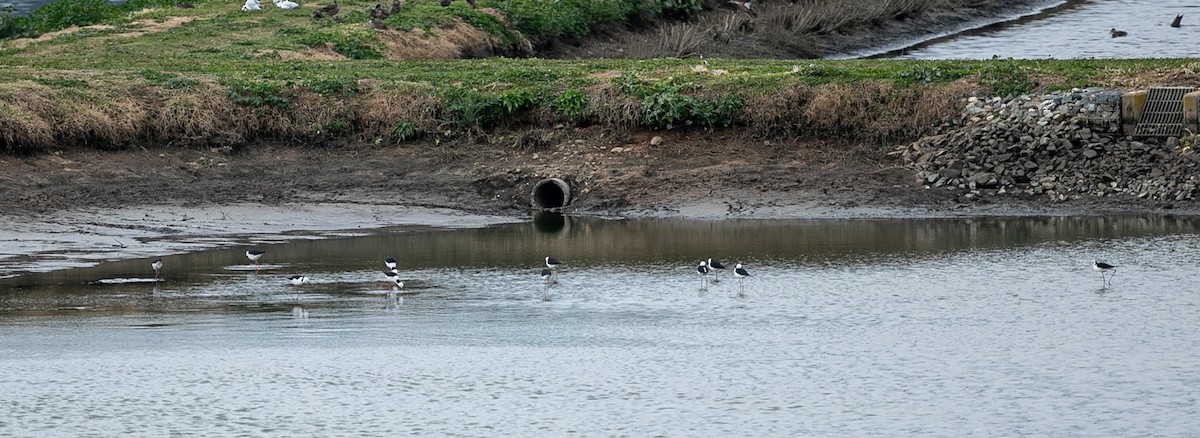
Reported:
(78, 207)
(784, 30)
(85, 237)
(893, 37)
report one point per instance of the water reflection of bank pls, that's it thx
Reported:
(596, 242)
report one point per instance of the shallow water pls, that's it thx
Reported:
(1078, 30)
(932, 327)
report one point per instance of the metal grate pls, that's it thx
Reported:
(1162, 115)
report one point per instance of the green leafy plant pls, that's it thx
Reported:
(468, 108)
(258, 94)
(670, 109)
(1005, 77)
(680, 8)
(570, 105)
(405, 130)
(925, 73)
(339, 86)
(351, 43)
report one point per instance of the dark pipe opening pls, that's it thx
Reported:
(551, 193)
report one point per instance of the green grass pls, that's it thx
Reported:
(248, 60)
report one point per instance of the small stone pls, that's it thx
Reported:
(617, 150)
(656, 141)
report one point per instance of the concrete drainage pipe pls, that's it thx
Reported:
(551, 193)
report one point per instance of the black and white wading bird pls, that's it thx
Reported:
(297, 280)
(389, 262)
(1104, 269)
(702, 269)
(741, 274)
(393, 277)
(157, 265)
(716, 267)
(552, 263)
(254, 255)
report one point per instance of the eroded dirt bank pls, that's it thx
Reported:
(79, 206)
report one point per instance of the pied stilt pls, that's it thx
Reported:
(702, 269)
(552, 263)
(740, 273)
(716, 267)
(254, 255)
(390, 262)
(157, 265)
(1104, 269)
(297, 280)
(393, 277)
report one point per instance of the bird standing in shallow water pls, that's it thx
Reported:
(1117, 33)
(389, 262)
(393, 277)
(157, 265)
(702, 269)
(254, 255)
(1104, 269)
(741, 274)
(547, 275)
(552, 263)
(716, 267)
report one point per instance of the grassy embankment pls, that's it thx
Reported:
(212, 75)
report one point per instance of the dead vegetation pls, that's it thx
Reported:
(116, 115)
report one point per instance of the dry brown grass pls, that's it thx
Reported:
(868, 110)
(186, 117)
(676, 40)
(457, 41)
(38, 117)
(379, 110)
(610, 107)
(21, 108)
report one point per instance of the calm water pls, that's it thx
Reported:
(885, 328)
(1080, 29)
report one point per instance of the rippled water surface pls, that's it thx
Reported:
(1080, 29)
(886, 328)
